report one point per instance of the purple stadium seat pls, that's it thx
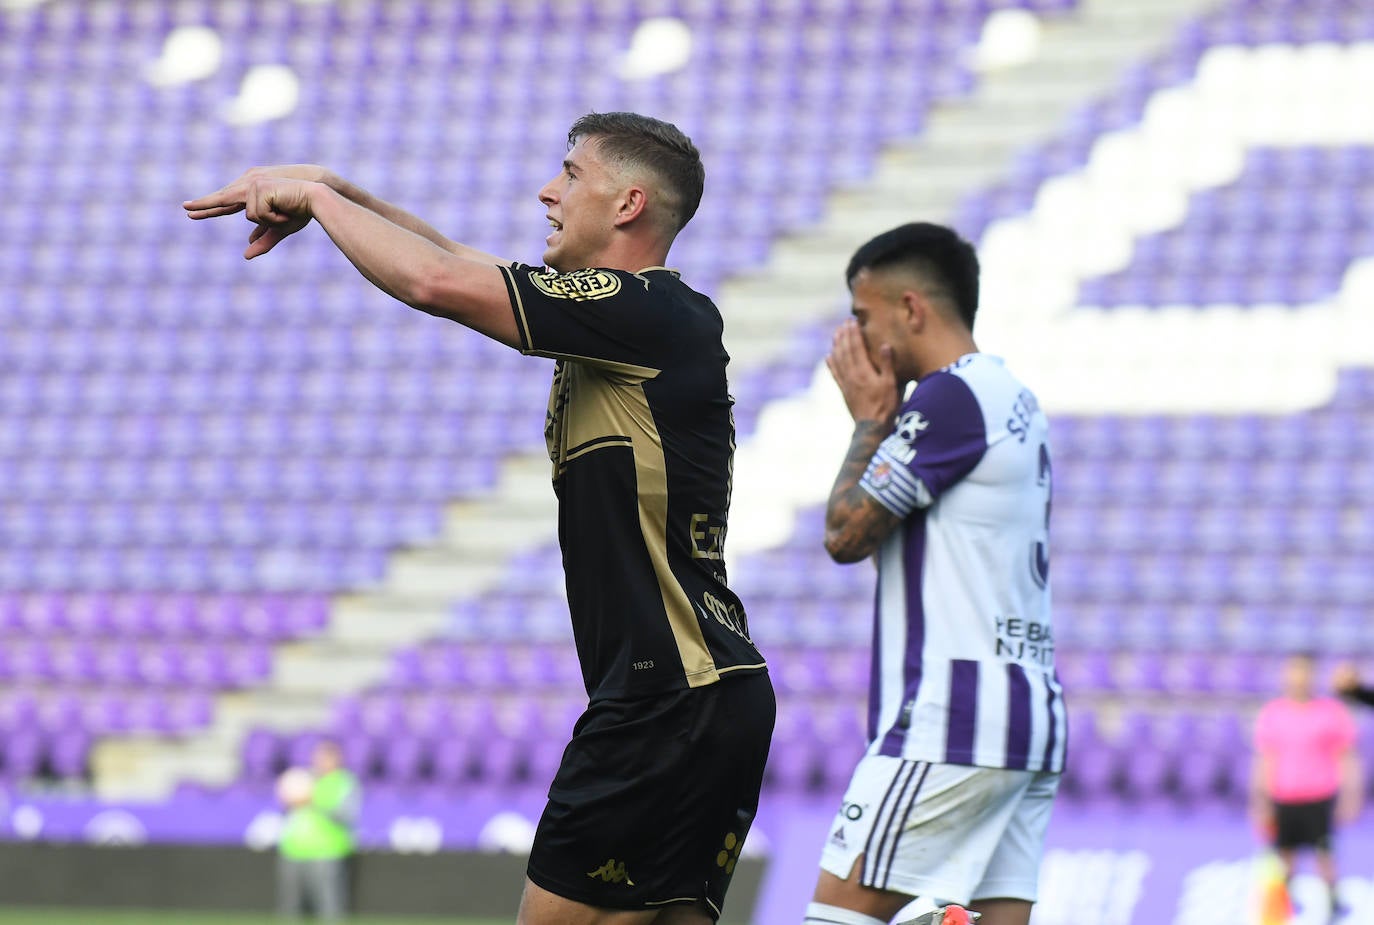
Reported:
(403, 759)
(791, 766)
(67, 754)
(362, 754)
(22, 753)
(431, 717)
(381, 713)
(454, 761)
(544, 757)
(300, 747)
(501, 760)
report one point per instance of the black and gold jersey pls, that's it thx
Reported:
(642, 439)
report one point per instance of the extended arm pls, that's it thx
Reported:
(1346, 680)
(400, 262)
(231, 199)
(398, 216)
(1360, 694)
(855, 522)
(416, 271)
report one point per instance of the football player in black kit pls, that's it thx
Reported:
(657, 789)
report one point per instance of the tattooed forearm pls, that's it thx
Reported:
(856, 524)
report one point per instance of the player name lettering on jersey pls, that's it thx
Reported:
(1023, 414)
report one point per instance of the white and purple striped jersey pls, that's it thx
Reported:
(963, 645)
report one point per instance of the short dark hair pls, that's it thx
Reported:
(935, 252)
(632, 140)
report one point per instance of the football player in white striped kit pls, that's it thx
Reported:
(950, 490)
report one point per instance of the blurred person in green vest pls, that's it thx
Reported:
(317, 839)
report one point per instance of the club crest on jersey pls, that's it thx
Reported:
(578, 284)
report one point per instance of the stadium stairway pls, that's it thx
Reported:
(413, 603)
(963, 147)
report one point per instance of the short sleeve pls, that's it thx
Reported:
(940, 436)
(606, 318)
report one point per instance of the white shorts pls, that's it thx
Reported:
(948, 832)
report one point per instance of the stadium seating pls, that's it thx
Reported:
(194, 456)
(183, 442)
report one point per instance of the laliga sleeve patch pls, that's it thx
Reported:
(579, 284)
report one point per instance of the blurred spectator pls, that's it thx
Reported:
(1306, 773)
(317, 841)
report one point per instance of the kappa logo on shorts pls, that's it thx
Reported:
(579, 284)
(612, 872)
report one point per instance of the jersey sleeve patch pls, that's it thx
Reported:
(578, 284)
(602, 318)
(893, 485)
(939, 436)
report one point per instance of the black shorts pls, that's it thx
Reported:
(1304, 825)
(654, 797)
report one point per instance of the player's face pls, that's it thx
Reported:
(882, 320)
(581, 203)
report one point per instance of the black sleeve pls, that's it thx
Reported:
(606, 318)
(1364, 695)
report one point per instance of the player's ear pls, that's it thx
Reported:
(916, 308)
(633, 202)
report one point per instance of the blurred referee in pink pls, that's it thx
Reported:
(1306, 776)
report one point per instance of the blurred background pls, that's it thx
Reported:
(246, 506)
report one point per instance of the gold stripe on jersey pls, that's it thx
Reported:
(652, 474)
(514, 290)
(591, 446)
(729, 668)
(596, 412)
(627, 370)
